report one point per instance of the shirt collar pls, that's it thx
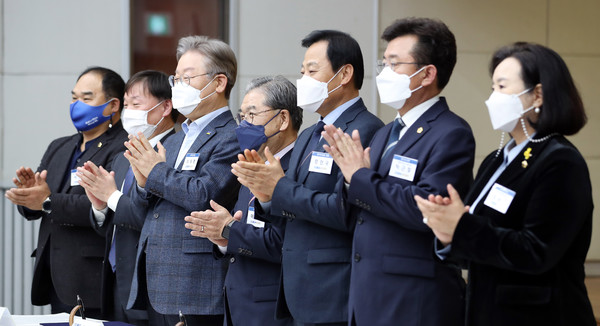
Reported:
(415, 113)
(511, 150)
(285, 150)
(203, 121)
(335, 114)
(154, 140)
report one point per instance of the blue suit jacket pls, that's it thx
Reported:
(128, 219)
(395, 280)
(318, 240)
(180, 271)
(254, 266)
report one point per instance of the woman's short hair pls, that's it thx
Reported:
(562, 110)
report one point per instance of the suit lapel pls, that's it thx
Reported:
(60, 163)
(416, 131)
(206, 134)
(342, 122)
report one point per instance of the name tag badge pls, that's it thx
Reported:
(190, 161)
(403, 167)
(252, 221)
(320, 163)
(499, 198)
(74, 178)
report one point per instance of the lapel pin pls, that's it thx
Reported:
(99, 144)
(208, 133)
(527, 154)
(420, 130)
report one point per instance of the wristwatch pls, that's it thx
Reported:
(47, 206)
(226, 229)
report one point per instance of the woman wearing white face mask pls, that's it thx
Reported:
(526, 229)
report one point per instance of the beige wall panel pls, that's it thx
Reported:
(61, 36)
(594, 166)
(466, 92)
(33, 123)
(271, 31)
(478, 25)
(574, 26)
(585, 71)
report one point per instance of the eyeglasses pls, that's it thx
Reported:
(183, 80)
(381, 64)
(250, 116)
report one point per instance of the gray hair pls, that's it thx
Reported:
(279, 93)
(220, 58)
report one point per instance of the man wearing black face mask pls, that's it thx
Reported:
(269, 118)
(69, 252)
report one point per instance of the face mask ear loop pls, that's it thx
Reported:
(278, 131)
(203, 88)
(340, 85)
(416, 72)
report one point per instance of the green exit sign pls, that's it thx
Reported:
(158, 24)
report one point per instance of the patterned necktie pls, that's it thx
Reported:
(394, 137)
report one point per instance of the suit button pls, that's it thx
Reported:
(232, 260)
(357, 257)
(155, 215)
(360, 220)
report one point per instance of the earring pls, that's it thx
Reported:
(536, 110)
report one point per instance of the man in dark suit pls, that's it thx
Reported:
(318, 241)
(69, 252)
(395, 280)
(148, 109)
(174, 270)
(269, 119)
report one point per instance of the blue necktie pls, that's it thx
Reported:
(394, 137)
(112, 257)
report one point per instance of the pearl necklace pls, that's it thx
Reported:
(536, 140)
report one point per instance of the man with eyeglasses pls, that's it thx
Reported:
(395, 279)
(269, 121)
(176, 271)
(318, 241)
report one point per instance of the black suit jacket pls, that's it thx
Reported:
(128, 219)
(75, 250)
(526, 267)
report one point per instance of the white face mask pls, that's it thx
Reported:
(394, 88)
(505, 110)
(187, 98)
(135, 121)
(311, 93)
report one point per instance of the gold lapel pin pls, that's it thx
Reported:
(527, 154)
(99, 144)
(208, 133)
(420, 130)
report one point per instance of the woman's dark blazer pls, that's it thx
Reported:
(526, 267)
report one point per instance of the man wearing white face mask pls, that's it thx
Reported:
(147, 109)
(424, 149)
(318, 241)
(174, 270)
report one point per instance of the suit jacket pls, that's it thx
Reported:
(395, 280)
(180, 270)
(75, 250)
(125, 225)
(254, 266)
(526, 267)
(318, 241)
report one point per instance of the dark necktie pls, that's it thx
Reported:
(112, 257)
(313, 142)
(393, 139)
